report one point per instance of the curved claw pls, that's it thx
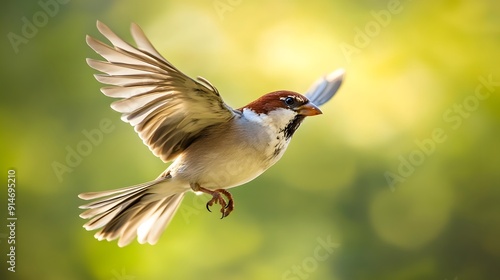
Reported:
(217, 197)
(229, 208)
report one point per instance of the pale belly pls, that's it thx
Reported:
(232, 173)
(222, 164)
(225, 169)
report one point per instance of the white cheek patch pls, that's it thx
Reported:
(278, 118)
(282, 117)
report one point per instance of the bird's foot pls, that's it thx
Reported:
(217, 197)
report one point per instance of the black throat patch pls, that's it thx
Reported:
(292, 126)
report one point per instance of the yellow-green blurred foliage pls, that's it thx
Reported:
(414, 108)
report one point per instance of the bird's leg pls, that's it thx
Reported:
(226, 207)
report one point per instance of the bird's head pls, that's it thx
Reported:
(283, 109)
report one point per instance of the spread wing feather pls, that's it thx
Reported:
(167, 109)
(325, 87)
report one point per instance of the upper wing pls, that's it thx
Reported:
(325, 87)
(167, 108)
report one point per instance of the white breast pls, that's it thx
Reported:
(272, 125)
(234, 158)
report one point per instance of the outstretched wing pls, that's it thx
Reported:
(166, 108)
(325, 87)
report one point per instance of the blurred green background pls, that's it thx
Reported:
(400, 176)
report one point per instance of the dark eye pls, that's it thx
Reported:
(289, 101)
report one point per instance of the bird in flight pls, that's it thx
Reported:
(213, 146)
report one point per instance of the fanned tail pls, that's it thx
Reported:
(142, 210)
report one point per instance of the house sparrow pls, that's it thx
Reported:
(213, 146)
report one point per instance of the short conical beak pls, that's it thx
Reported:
(309, 109)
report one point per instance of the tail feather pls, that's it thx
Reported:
(151, 230)
(94, 195)
(108, 203)
(143, 210)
